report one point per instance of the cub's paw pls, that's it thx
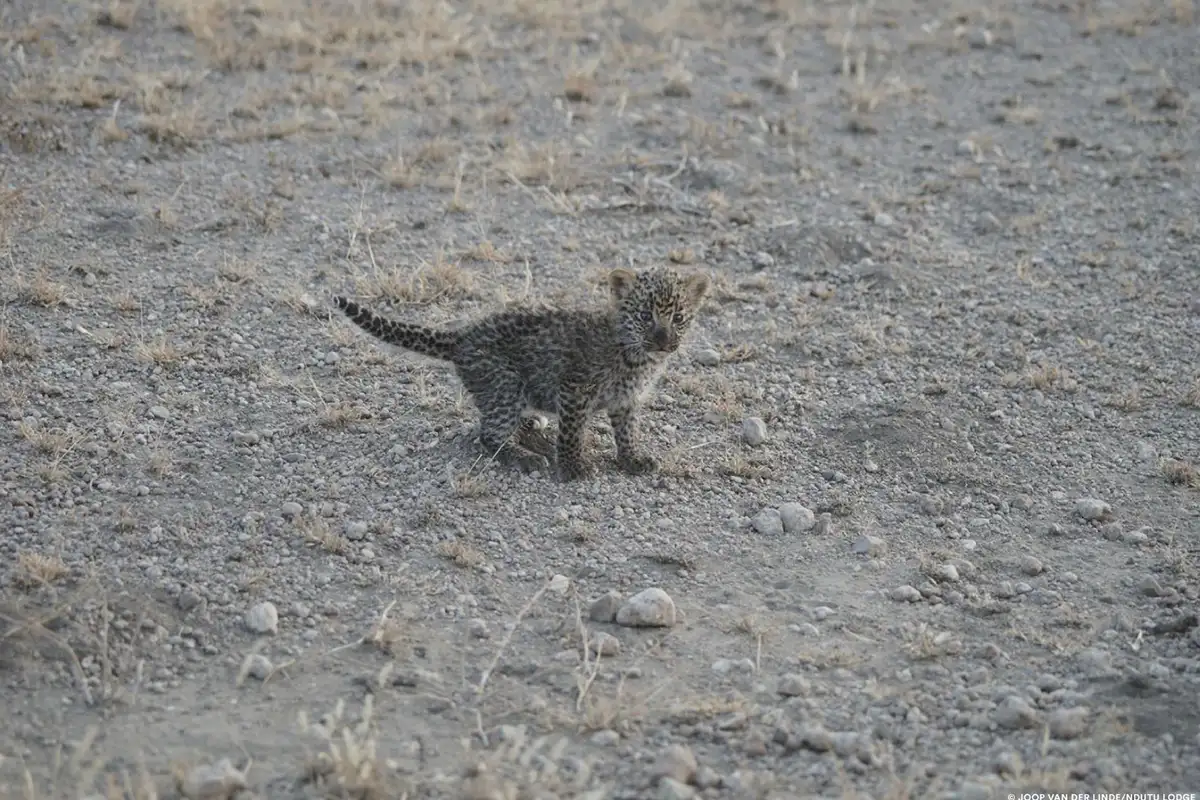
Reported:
(639, 464)
(575, 469)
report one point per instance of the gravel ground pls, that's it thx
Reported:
(928, 523)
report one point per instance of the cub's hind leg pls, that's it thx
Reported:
(498, 395)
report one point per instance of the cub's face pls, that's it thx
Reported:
(655, 309)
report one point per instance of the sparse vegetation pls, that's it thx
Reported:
(949, 247)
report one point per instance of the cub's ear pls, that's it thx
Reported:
(621, 281)
(697, 287)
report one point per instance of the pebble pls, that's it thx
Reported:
(824, 525)
(291, 510)
(212, 781)
(356, 530)
(724, 666)
(796, 518)
(649, 608)
(1150, 586)
(604, 644)
(1068, 723)
(884, 220)
(906, 594)
(794, 685)
(606, 738)
(821, 613)
(559, 585)
(159, 412)
(478, 628)
(867, 545)
(677, 762)
(671, 789)
(1031, 565)
(948, 573)
(980, 38)
(1135, 537)
(246, 438)
(1015, 712)
(259, 667)
(604, 608)
(1093, 510)
(708, 357)
(263, 618)
(762, 260)
(768, 522)
(754, 431)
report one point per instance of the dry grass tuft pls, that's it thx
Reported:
(348, 765)
(428, 284)
(460, 553)
(316, 531)
(35, 570)
(160, 352)
(14, 348)
(41, 291)
(340, 415)
(1180, 472)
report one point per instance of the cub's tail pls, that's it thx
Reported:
(419, 339)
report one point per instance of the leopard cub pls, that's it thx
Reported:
(569, 363)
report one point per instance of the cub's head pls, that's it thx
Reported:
(654, 310)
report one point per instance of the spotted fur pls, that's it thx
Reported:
(569, 363)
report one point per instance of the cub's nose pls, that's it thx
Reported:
(662, 337)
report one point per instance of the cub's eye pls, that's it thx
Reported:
(679, 319)
(647, 315)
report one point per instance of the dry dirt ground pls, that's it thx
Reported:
(954, 250)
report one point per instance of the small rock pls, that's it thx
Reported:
(1015, 712)
(1093, 510)
(1094, 661)
(906, 594)
(291, 510)
(604, 644)
(356, 530)
(816, 739)
(606, 738)
(159, 412)
(706, 777)
(884, 220)
(605, 607)
(796, 518)
(559, 585)
(263, 618)
(754, 431)
(768, 522)
(218, 781)
(478, 628)
(671, 789)
(1150, 586)
(708, 357)
(821, 613)
(1031, 565)
(948, 573)
(258, 667)
(1135, 537)
(762, 260)
(677, 762)
(724, 666)
(866, 545)
(248, 438)
(980, 38)
(824, 525)
(794, 685)
(1068, 723)
(1008, 763)
(649, 608)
